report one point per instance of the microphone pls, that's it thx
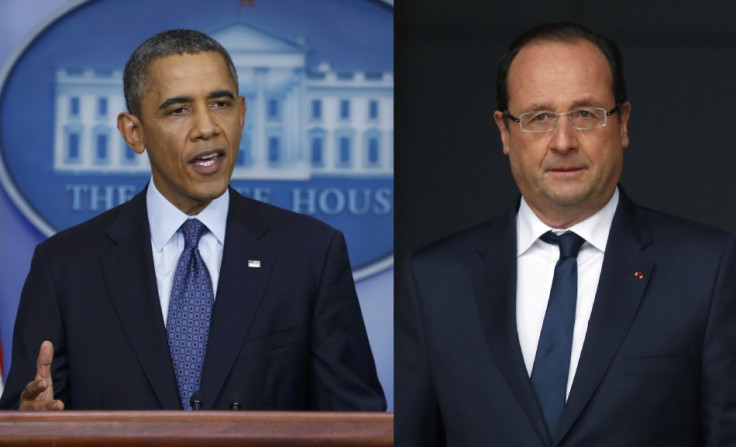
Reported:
(196, 401)
(235, 402)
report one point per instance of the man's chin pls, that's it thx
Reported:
(211, 193)
(567, 193)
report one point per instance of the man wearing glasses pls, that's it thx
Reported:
(577, 318)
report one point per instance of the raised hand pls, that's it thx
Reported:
(38, 395)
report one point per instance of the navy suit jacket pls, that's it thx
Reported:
(286, 336)
(657, 368)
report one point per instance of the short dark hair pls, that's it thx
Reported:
(167, 43)
(565, 32)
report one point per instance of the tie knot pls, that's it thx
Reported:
(569, 243)
(192, 229)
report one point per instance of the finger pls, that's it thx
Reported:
(33, 389)
(38, 396)
(41, 405)
(56, 405)
(43, 363)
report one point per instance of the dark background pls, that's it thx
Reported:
(680, 68)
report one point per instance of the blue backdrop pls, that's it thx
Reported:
(39, 45)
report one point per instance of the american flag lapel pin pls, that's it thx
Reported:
(254, 263)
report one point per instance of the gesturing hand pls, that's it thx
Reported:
(38, 395)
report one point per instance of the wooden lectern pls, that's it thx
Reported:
(196, 428)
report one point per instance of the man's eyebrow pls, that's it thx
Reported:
(175, 100)
(585, 103)
(186, 99)
(537, 106)
(221, 94)
(545, 106)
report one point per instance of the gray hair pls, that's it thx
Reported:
(167, 43)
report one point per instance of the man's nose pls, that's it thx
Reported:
(204, 124)
(564, 135)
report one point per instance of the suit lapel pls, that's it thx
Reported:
(496, 297)
(240, 289)
(624, 277)
(129, 273)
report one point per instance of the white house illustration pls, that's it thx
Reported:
(301, 123)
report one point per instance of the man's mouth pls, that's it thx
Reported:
(207, 160)
(565, 169)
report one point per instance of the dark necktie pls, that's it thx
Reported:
(190, 309)
(552, 361)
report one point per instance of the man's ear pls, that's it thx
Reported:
(243, 108)
(502, 124)
(130, 128)
(623, 122)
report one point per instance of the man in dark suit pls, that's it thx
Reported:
(280, 325)
(508, 336)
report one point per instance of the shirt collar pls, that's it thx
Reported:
(169, 218)
(594, 229)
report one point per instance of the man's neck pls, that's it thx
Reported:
(563, 217)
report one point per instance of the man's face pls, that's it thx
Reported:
(190, 124)
(565, 175)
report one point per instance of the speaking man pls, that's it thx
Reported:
(190, 294)
(577, 318)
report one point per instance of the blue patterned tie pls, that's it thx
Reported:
(552, 361)
(189, 314)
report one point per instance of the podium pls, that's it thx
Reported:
(196, 428)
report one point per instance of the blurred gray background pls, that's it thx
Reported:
(680, 67)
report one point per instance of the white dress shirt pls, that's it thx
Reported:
(164, 220)
(536, 266)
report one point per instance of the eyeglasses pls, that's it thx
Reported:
(583, 118)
